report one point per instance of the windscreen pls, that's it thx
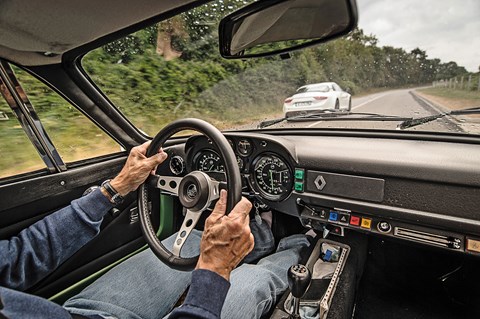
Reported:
(406, 59)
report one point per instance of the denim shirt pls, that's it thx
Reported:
(38, 250)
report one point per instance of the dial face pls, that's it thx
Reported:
(177, 165)
(244, 147)
(273, 177)
(209, 161)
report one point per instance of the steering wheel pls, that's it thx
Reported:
(196, 191)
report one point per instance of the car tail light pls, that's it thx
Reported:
(319, 98)
(288, 100)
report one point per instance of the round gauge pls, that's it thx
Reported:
(240, 162)
(272, 177)
(177, 165)
(209, 161)
(244, 147)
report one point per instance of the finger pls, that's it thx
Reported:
(153, 171)
(143, 148)
(220, 207)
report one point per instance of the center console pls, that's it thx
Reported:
(313, 285)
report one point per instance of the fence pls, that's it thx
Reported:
(469, 83)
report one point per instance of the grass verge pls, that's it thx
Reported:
(450, 98)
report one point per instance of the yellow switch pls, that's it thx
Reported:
(366, 223)
(473, 245)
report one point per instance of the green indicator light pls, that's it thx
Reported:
(299, 173)
(299, 186)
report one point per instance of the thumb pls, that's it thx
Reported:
(241, 210)
(157, 159)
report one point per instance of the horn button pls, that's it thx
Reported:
(194, 191)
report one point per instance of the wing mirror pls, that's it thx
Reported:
(269, 27)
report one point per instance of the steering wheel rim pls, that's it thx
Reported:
(234, 185)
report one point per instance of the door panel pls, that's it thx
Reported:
(25, 202)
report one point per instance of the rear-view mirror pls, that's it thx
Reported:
(266, 28)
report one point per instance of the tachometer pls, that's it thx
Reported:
(209, 161)
(272, 177)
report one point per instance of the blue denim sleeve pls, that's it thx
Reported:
(16, 304)
(37, 250)
(205, 298)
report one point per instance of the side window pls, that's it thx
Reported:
(17, 154)
(73, 134)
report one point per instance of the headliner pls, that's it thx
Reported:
(39, 32)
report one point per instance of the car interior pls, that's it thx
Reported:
(396, 213)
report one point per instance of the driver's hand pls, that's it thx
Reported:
(226, 240)
(137, 168)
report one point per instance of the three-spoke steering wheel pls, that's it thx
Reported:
(196, 191)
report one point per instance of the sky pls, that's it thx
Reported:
(445, 29)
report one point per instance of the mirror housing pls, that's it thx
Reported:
(271, 27)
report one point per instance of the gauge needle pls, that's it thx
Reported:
(271, 178)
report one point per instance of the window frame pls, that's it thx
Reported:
(36, 132)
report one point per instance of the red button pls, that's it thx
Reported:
(354, 220)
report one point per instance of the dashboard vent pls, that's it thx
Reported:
(428, 238)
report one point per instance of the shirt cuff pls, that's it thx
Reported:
(208, 291)
(95, 204)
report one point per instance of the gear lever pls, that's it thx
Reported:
(299, 278)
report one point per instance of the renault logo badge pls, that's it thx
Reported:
(192, 191)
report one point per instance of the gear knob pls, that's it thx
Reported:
(299, 278)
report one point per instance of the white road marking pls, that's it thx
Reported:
(366, 102)
(355, 107)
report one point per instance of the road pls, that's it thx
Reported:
(394, 102)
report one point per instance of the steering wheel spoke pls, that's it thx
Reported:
(168, 184)
(191, 219)
(214, 190)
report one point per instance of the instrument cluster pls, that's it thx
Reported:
(263, 166)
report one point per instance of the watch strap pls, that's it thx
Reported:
(115, 197)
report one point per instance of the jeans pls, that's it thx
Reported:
(144, 287)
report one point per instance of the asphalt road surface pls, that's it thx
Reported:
(402, 102)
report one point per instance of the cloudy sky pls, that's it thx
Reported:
(446, 29)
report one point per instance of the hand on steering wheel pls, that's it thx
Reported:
(196, 191)
(226, 240)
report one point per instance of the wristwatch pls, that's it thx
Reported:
(90, 190)
(115, 197)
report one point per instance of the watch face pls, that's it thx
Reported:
(90, 189)
(117, 199)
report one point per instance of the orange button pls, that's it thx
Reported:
(366, 223)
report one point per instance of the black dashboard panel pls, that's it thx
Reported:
(350, 186)
(422, 189)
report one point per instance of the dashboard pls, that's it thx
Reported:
(420, 190)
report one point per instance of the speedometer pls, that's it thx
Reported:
(209, 161)
(272, 177)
